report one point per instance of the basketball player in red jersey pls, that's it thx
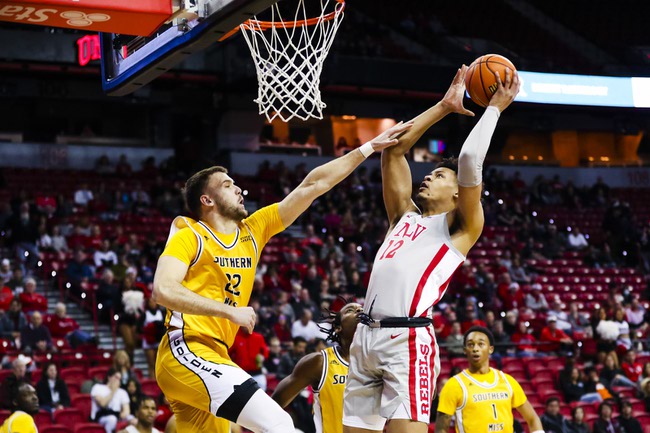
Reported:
(394, 359)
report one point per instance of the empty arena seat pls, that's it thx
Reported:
(69, 416)
(55, 428)
(83, 403)
(150, 387)
(89, 428)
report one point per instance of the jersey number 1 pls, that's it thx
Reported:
(494, 410)
(391, 249)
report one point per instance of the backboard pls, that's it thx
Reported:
(129, 62)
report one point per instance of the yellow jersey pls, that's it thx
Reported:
(19, 422)
(328, 397)
(482, 403)
(221, 267)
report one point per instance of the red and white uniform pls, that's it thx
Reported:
(410, 275)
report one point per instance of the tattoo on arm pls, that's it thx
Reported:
(442, 422)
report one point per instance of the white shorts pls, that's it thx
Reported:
(392, 375)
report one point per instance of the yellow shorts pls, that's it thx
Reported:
(198, 377)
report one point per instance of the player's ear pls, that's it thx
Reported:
(491, 351)
(206, 200)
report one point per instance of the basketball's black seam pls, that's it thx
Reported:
(480, 72)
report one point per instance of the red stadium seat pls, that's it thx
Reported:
(83, 403)
(4, 414)
(98, 373)
(150, 387)
(89, 428)
(69, 416)
(43, 418)
(54, 429)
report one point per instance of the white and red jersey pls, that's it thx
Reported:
(412, 268)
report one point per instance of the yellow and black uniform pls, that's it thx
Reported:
(19, 422)
(328, 397)
(193, 368)
(482, 403)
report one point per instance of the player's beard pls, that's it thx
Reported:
(230, 211)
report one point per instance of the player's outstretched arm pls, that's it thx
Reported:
(469, 213)
(442, 422)
(169, 292)
(396, 174)
(528, 414)
(306, 372)
(323, 178)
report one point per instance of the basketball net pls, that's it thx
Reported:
(289, 57)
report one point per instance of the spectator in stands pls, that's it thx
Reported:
(305, 327)
(272, 361)
(83, 196)
(574, 389)
(31, 300)
(13, 321)
(552, 419)
(518, 271)
(122, 364)
(514, 297)
(501, 341)
(577, 423)
(553, 244)
(140, 197)
(134, 390)
(282, 329)
(454, 341)
(557, 341)
(471, 318)
(525, 341)
(577, 320)
(604, 423)
(18, 373)
(108, 293)
(17, 281)
(5, 271)
(23, 229)
(109, 402)
(51, 389)
(105, 257)
(635, 313)
(153, 329)
(35, 337)
(249, 350)
(644, 375)
(611, 375)
(562, 318)
(577, 240)
(6, 295)
(145, 416)
(632, 369)
(627, 422)
(62, 326)
(623, 339)
(305, 303)
(331, 247)
(78, 271)
(59, 243)
(535, 300)
(123, 168)
(291, 358)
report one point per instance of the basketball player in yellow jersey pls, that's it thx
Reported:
(326, 372)
(205, 277)
(25, 402)
(482, 398)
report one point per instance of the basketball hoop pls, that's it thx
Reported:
(289, 57)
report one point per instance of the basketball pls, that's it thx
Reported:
(480, 80)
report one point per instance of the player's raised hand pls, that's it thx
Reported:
(243, 316)
(453, 99)
(390, 137)
(506, 92)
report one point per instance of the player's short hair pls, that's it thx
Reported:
(195, 187)
(450, 163)
(12, 386)
(482, 330)
(552, 400)
(146, 398)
